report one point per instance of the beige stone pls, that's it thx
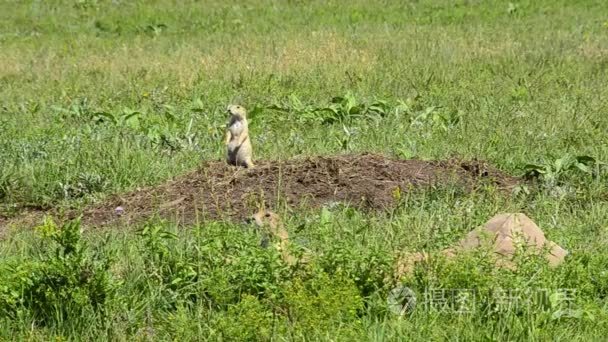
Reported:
(502, 234)
(506, 231)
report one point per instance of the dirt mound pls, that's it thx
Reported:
(219, 191)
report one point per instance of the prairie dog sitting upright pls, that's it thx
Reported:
(237, 138)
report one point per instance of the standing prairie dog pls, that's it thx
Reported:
(237, 138)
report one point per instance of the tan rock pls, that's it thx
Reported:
(502, 234)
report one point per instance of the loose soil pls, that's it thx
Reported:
(220, 191)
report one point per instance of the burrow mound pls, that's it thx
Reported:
(219, 191)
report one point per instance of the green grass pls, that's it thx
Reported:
(99, 97)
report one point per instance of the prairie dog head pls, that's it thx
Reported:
(266, 218)
(237, 111)
(272, 228)
(271, 223)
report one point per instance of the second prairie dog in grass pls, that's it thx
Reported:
(271, 222)
(239, 151)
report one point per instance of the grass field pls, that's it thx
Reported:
(103, 97)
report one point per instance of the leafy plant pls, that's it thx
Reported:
(322, 301)
(83, 184)
(162, 131)
(86, 4)
(172, 273)
(552, 172)
(345, 140)
(339, 110)
(65, 281)
(368, 271)
(153, 30)
(343, 108)
(78, 109)
(436, 118)
(248, 320)
(7, 183)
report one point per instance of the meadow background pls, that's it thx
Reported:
(100, 97)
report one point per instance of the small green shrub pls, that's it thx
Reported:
(224, 264)
(83, 184)
(171, 272)
(340, 109)
(248, 320)
(64, 281)
(369, 269)
(553, 172)
(306, 307)
(322, 302)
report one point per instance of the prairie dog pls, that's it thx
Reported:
(239, 151)
(272, 225)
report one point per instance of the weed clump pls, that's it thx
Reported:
(65, 280)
